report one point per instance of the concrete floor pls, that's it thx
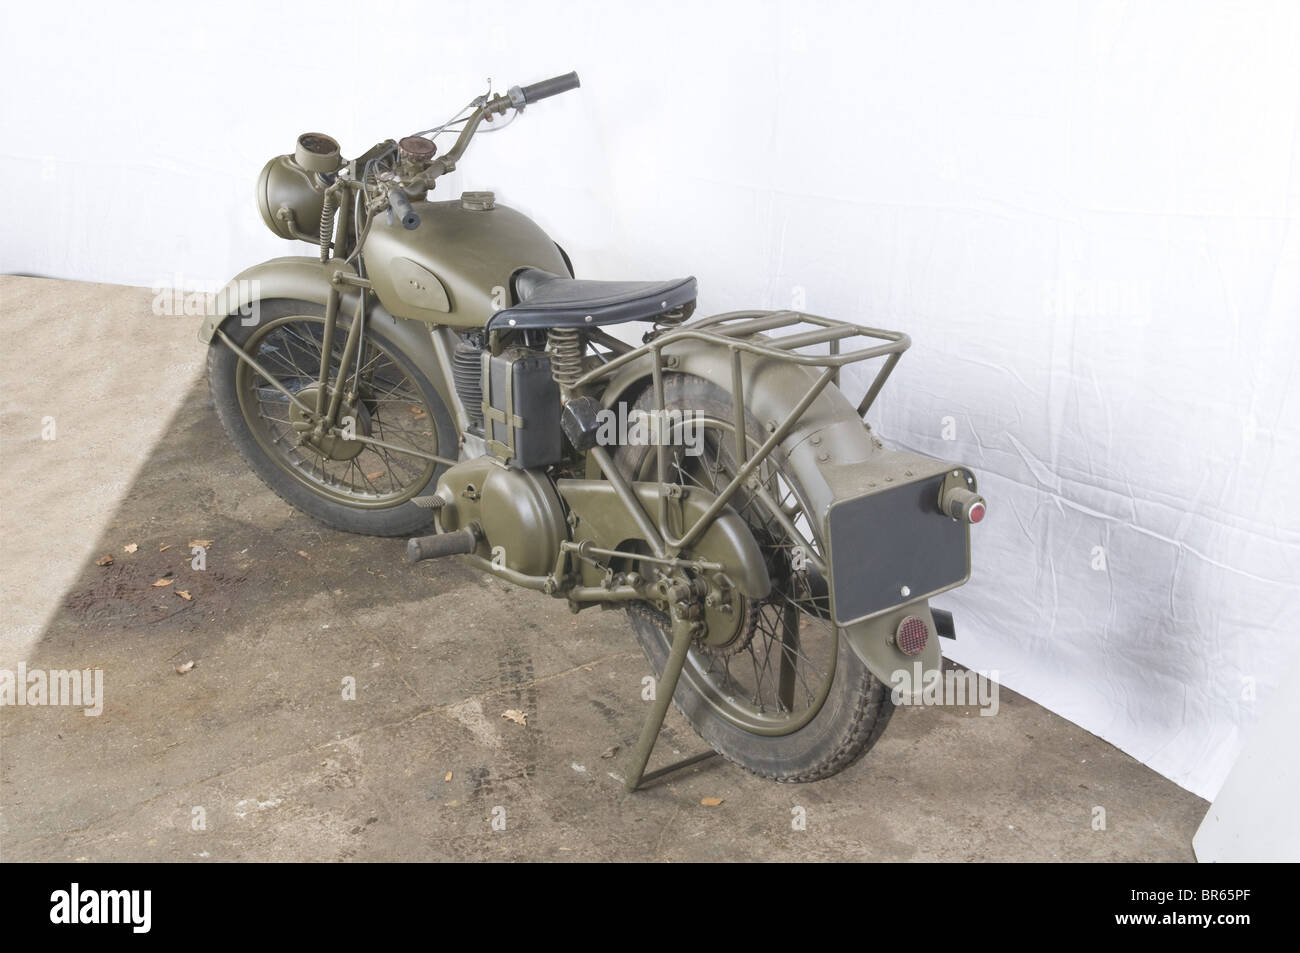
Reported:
(258, 736)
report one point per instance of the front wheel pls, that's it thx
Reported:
(348, 484)
(780, 692)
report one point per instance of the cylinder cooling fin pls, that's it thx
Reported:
(467, 370)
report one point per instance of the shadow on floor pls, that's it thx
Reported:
(257, 753)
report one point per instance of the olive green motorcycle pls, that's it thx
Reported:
(437, 371)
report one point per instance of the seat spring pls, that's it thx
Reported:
(566, 346)
(668, 320)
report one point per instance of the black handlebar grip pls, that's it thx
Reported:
(550, 87)
(401, 206)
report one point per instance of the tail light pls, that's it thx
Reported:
(912, 635)
(962, 504)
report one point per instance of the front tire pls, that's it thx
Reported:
(354, 488)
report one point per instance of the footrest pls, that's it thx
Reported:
(460, 543)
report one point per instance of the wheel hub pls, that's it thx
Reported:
(732, 633)
(331, 445)
(727, 621)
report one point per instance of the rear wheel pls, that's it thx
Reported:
(346, 484)
(781, 693)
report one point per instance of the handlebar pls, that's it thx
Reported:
(402, 210)
(547, 88)
(517, 97)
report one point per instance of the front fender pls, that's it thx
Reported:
(300, 278)
(830, 451)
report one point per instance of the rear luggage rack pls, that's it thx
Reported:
(736, 330)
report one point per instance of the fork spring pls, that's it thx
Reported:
(327, 212)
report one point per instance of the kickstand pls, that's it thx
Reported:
(683, 632)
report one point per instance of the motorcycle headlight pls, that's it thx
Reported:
(290, 190)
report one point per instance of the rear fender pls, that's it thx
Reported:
(830, 451)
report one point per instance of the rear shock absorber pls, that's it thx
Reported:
(566, 346)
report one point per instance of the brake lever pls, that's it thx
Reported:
(481, 101)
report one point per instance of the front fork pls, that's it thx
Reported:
(324, 415)
(328, 415)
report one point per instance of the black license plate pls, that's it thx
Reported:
(893, 547)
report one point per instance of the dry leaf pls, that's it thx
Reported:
(182, 669)
(518, 717)
(184, 594)
(610, 751)
(374, 476)
(130, 548)
(205, 543)
(416, 412)
(448, 777)
(303, 554)
(163, 582)
(711, 801)
(105, 560)
(164, 547)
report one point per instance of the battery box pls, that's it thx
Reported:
(521, 408)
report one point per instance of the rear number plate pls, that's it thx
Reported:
(893, 547)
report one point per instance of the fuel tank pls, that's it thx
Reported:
(454, 268)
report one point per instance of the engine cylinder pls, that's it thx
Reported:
(467, 370)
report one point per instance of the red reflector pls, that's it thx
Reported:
(912, 635)
(976, 512)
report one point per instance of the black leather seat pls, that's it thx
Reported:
(552, 301)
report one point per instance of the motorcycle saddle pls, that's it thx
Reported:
(545, 300)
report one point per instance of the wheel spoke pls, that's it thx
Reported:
(387, 405)
(785, 644)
